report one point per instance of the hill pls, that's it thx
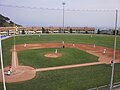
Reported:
(6, 22)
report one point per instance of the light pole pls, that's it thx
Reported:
(114, 52)
(2, 67)
(63, 15)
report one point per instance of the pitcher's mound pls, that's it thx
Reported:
(53, 55)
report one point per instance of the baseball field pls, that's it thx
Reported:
(82, 63)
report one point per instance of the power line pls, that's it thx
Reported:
(27, 7)
(57, 9)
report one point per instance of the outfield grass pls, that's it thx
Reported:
(36, 58)
(67, 79)
(100, 40)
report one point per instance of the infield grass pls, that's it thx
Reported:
(36, 58)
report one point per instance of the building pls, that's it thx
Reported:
(38, 30)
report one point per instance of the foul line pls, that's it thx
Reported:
(67, 66)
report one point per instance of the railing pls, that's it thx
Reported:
(106, 87)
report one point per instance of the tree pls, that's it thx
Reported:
(114, 32)
(43, 30)
(70, 30)
(12, 23)
(23, 31)
(98, 31)
(47, 31)
(117, 32)
(5, 24)
(8, 32)
(59, 30)
(86, 32)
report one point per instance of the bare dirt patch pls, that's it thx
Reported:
(53, 55)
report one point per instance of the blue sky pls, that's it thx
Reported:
(39, 17)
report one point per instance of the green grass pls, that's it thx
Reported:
(67, 79)
(117, 73)
(36, 58)
(100, 40)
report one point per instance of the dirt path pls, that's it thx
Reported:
(22, 73)
(68, 66)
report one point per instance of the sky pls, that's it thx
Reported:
(77, 13)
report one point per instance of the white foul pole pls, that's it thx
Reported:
(14, 48)
(2, 67)
(114, 52)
